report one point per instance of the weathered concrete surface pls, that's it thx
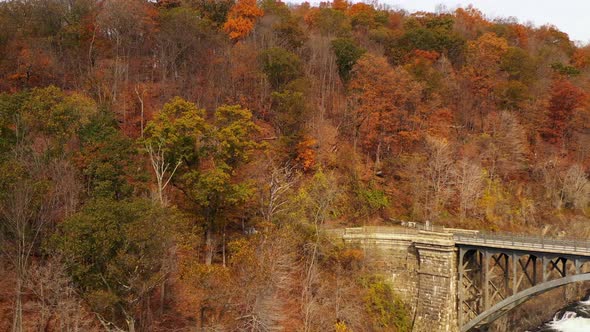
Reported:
(421, 266)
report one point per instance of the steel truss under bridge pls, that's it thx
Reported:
(494, 279)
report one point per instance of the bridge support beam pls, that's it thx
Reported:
(437, 283)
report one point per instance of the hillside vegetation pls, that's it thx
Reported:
(172, 165)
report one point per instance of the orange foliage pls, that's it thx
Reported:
(387, 105)
(428, 57)
(470, 21)
(241, 19)
(522, 35)
(362, 14)
(245, 75)
(482, 73)
(34, 67)
(396, 20)
(441, 122)
(341, 5)
(360, 8)
(581, 58)
(306, 153)
(487, 50)
(311, 15)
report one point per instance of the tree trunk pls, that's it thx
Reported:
(17, 323)
(208, 246)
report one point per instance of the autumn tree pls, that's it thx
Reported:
(385, 105)
(108, 161)
(565, 186)
(347, 54)
(427, 33)
(482, 76)
(503, 145)
(57, 301)
(468, 180)
(176, 135)
(289, 34)
(366, 16)
(127, 25)
(318, 200)
(280, 66)
(564, 100)
(329, 22)
(289, 111)
(341, 5)
(202, 159)
(575, 189)
(114, 250)
(241, 19)
(181, 36)
(215, 11)
(23, 222)
(274, 190)
(37, 186)
(282, 26)
(438, 175)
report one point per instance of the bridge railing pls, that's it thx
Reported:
(482, 237)
(474, 237)
(527, 241)
(378, 229)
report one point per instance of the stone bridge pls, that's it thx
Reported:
(462, 280)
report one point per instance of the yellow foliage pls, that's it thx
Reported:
(341, 327)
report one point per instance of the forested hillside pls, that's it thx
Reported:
(172, 165)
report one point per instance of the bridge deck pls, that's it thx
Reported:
(525, 243)
(463, 237)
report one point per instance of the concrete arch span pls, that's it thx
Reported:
(517, 299)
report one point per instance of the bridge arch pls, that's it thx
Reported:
(506, 305)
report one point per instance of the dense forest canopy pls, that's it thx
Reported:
(173, 164)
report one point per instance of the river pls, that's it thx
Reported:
(575, 317)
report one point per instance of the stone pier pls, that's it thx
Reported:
(437, 282)
(421, 267)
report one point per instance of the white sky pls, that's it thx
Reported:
(569, 16)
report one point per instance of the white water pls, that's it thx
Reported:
(572, 324)
(573, 318)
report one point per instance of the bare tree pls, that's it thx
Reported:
(162, 169)
(273, 197)
(140, 98)
(66, 188)
(56, 300)
(469, 183)
(320, 198)
(19, 211)
(127, 25)
(548, 172)
(505, 146)
(575, 188)
(268, 285)
(439, 170)
(569, 187)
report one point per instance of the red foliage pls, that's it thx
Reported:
(564, 99)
